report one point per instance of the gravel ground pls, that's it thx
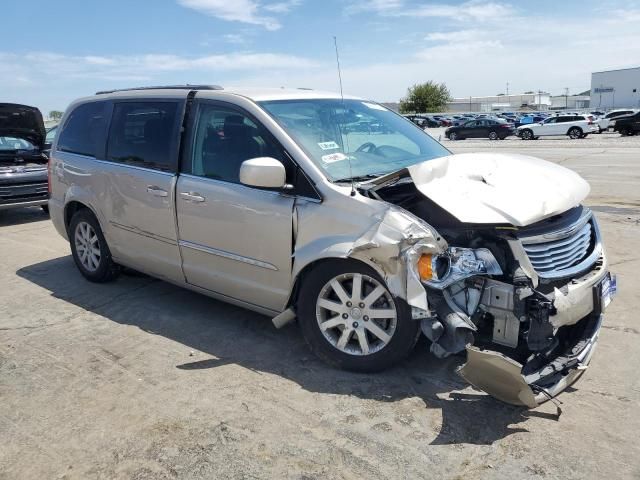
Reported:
(140, 379)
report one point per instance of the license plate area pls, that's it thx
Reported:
(608, 289)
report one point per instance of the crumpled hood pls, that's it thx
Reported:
(493, 188)
(22, 121)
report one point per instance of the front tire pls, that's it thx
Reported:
(453, 136)
(350, 319)
(89, 248)
(526, 134)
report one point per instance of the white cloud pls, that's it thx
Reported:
(476, 10)
(51, 80)
(376, 6)
(471, 57)
(282, 7)
(244, 11)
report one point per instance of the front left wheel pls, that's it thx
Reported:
(350, 319)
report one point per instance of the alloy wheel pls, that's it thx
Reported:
(356, 314)
(87, 246)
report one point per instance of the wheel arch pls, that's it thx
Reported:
(301, 271)
(77, 199)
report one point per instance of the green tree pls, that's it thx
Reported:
(55, 115)
(425, 97)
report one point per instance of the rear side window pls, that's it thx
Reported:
(142, 134)
(83, 132)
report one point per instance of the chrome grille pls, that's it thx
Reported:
(22, 191)
(563, 253)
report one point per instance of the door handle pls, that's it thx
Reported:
(192, 197)
(157, 191)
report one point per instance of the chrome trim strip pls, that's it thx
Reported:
(228, 255)
(142, 233)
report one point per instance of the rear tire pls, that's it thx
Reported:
(386, 340)
(89, 248)
(574, 133)
(493, 135)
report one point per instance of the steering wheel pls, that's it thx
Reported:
(368, 147)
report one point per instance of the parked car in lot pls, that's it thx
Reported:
(528, 120)
(493, 129)
(628, 125)
(266, 199)
(574, 126)
(444, 121)
(609, 120)
(23, 165)
(48, 139)
(423, 121)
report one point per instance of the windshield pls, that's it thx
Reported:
(10, 144)
(354, 138)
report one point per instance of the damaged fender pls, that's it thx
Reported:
(391, 244)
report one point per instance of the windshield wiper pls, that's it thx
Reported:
(361, 178)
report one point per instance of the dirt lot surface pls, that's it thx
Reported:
(140, 379)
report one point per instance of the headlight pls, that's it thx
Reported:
(441, 271)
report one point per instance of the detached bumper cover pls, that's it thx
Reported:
(539, 380)
(502, 377)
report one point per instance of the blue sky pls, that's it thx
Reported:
(53, 52)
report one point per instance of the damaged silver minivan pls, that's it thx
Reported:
(345, 216)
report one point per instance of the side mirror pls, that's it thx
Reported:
(263, 172)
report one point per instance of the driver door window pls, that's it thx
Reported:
(224, 138)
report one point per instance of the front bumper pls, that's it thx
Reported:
(544, 375)
(29, 203)
(24, 188)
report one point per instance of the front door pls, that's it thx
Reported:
(549, 127)
(235, 240)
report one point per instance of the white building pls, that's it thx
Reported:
(501, 103)
(616, 88)
(580, 101)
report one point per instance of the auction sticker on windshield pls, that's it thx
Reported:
(328, 145)
(334, 157)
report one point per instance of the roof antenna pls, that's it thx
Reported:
(346, 139)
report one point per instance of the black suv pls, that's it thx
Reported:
(628, 125)
(23, 165)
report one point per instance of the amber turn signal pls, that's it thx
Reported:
(425, 267)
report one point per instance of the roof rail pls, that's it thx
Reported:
(164, 87)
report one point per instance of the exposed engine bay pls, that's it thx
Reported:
(529, 319)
